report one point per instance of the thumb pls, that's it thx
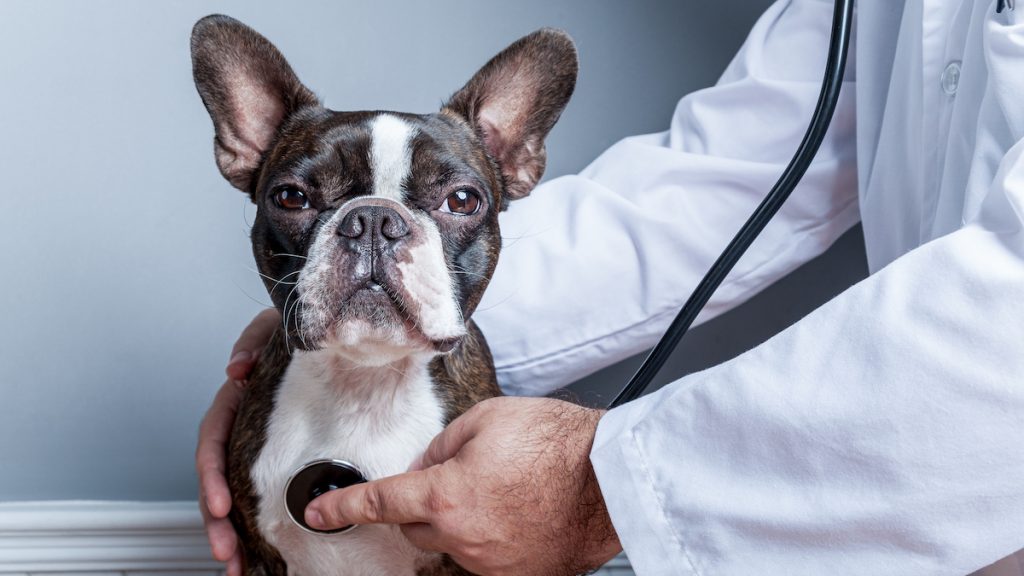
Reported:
(447, 444)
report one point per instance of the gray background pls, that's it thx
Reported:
(127, 271)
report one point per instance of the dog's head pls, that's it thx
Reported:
(377, 232)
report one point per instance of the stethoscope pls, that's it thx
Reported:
(320, 476)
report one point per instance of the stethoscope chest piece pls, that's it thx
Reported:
(316, 478)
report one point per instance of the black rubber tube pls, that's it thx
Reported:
(835, 67)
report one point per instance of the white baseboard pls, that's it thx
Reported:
(73, 536)
(116, 539)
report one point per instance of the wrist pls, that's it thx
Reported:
(599, 542)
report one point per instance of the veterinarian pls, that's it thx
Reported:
(882, 434)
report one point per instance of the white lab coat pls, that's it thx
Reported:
(882, 434)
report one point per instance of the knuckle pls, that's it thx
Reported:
(478, 411)
(495, 404)
(472, 554)
(488, 404)
(438, 503)
(374, 505)
(437, 449)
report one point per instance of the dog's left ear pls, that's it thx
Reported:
(514, 101)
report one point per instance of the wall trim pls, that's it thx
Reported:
(90, 536)
(68, 536)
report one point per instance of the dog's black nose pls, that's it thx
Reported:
(381, 224)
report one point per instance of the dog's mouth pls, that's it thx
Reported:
(375, 302)
(375, 317)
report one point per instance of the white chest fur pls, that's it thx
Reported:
(379, 419)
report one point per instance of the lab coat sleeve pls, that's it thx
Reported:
(596, 265)
(882, 434)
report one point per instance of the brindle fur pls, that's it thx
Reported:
(466, 375)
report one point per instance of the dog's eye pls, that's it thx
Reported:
(290, 199)
(464, 201)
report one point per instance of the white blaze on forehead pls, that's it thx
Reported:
(390, 155)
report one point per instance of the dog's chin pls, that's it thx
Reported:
(371, 331)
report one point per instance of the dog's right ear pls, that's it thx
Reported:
(249, 90)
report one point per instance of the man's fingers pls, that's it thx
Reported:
(234, 566)
(215, 492)
(223, 540)
(258, 332)
(400, 499)
(447, 444)
(241, 365)
(220, 533)
(214, 432)
(247, 349)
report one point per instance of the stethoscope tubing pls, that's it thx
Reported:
(832, 83)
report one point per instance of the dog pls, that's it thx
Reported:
(376, 234)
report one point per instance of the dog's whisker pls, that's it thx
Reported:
(253, 298)
(248, 225)
(294, 317)
(285, 318)
(496, 304)
(515, 239)
(277, 281)
(468, 273)
(302, 323)
(456, 269)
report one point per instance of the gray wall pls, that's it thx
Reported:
(127, 272)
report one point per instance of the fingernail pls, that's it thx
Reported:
(314, 519)
(240, 356)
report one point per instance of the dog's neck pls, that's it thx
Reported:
(378, 394)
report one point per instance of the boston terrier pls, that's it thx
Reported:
(376, 233)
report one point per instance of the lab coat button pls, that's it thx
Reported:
(951, 78)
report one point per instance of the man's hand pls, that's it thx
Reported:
(214, 497)
(506, 488)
